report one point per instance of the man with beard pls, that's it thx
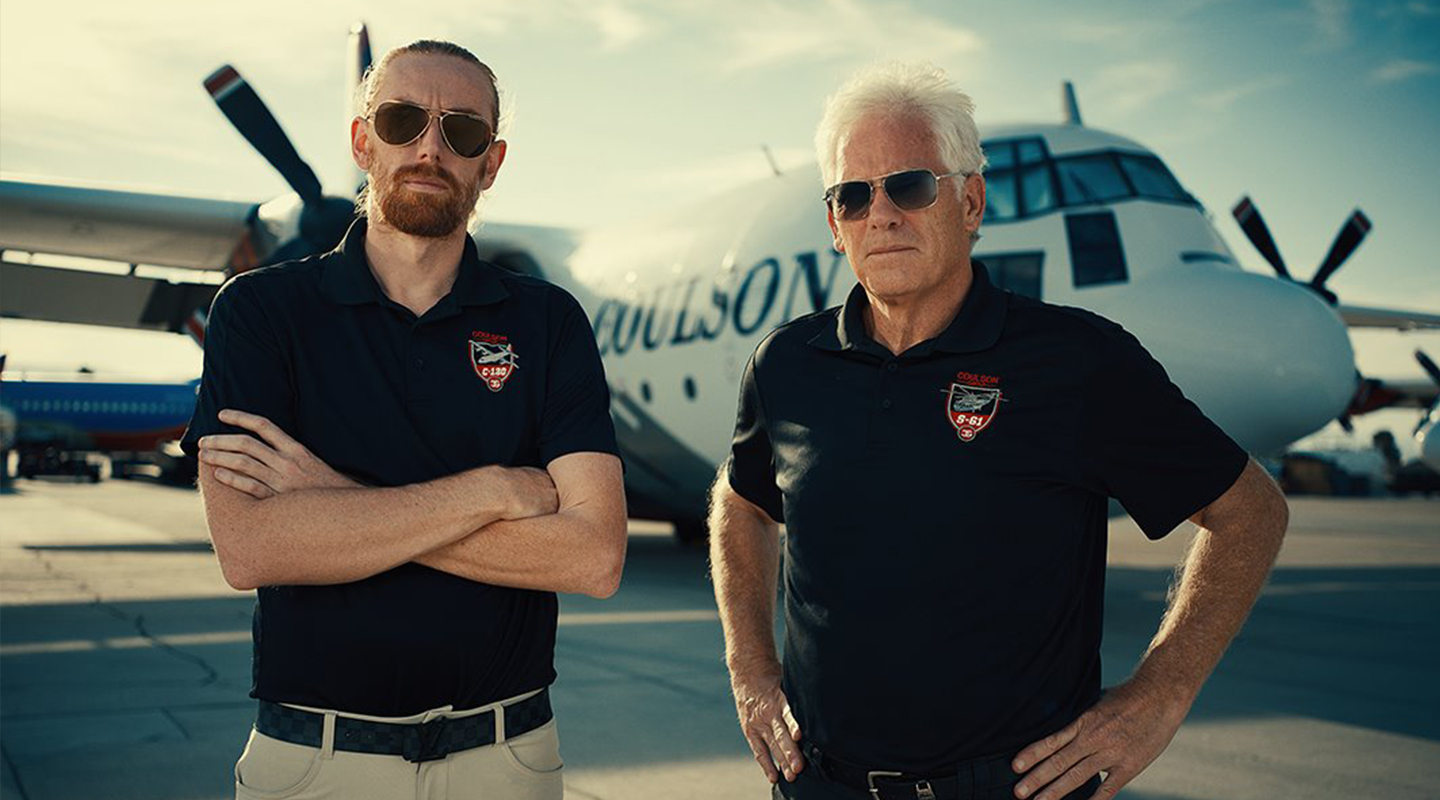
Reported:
(407, 452)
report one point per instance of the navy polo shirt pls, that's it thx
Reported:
(502, 370)
(946, 515)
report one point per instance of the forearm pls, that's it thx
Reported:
(563, 552)
(327, 536)
(1224, 571)
(744, 565)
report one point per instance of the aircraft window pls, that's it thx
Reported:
(1018, 272)
(1091, 179)
(1000, 155)
(1192, 256)
(645, 390)
(689, 388)
(1000, 200)
(1151, 179)
(1095, 252)
(1036, 189)
(1031, 150)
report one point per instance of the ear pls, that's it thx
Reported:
(838, 244)
(974, 206)
(494, 157)
(360, 143)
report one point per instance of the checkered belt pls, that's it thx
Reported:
(419, 741)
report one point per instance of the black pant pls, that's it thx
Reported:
(809, 786)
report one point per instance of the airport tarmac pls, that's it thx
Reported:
(125, 660)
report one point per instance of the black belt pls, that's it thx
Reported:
(418, 741)
(969, 778)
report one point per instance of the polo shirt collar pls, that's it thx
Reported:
(976, 327)
(347, 278)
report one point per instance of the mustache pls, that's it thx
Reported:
(433, 171)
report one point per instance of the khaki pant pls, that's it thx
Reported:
(526, 767)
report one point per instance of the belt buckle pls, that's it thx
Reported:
(422, 741)
(879, 773)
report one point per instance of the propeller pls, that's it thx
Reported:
(358, 63)
(1434, 372)
(323, 220)
(1351, 234)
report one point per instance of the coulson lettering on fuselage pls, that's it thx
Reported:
(694, 310)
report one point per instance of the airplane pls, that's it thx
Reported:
(1076, 215)
(58, 418)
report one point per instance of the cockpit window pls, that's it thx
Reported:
(1091, 179)
(1023, 180)
(1150, 178)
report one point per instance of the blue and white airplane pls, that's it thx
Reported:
(1076, 216)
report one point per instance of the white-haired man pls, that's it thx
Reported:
(940, 452)
(457, 469)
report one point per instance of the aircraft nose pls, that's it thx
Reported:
(1266, 359)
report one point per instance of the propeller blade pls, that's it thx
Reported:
(1255, 229)
(358, 61)
(1429, 366)
(1349, 238)
(249, 115)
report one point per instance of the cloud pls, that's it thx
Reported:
(619, 26)
(1134, 85)
(1332, 21)
(1221, 99)
(1399, 69)
(778, 32)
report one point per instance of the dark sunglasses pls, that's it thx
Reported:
(399, 124)
(909, 190)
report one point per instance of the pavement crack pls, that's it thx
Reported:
(211, 675)
(174, 720)
(14, 773)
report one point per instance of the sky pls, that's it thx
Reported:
(620, 107)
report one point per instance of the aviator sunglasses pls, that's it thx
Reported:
(909, 190)
(398, 123)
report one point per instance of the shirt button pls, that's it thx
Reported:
(885, 404)
(420, 363)
(891, 367)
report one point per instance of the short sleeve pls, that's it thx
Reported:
(576, 416)
(244, 368)
(1146, 444)
(752, 460)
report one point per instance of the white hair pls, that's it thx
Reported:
(902, 88)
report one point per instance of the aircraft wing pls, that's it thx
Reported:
(50, 218)
(1398, 319)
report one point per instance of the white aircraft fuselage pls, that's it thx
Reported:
(1076, 217)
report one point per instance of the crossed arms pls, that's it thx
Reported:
(279, 515)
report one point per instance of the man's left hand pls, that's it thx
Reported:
(269, 463)
(1119, 736)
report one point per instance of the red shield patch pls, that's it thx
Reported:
(970, 408)
(494, 362)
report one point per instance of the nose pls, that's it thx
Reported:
(883, 213)
(431, 142)
(1266, 359)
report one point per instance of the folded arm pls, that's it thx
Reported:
(580, 548)
(278, 515)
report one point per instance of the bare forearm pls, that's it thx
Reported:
(326, 536)
(579, 548)
(562, 552)
(1224, 571)
(744, 564)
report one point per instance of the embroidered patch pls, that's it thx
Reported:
(971, 408)
(494, 358)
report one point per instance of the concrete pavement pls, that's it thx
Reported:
(124, 660)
